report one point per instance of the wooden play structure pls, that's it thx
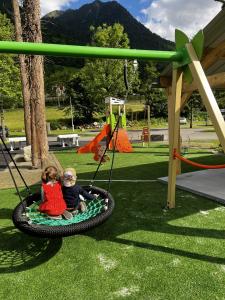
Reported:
(204, 70)
(189, 60)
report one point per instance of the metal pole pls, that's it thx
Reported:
(71, 110)
(2, 121)
(85, 51)
(149, 134)
(191, 120)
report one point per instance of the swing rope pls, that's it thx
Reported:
(112, 163)
(10, 155)
(195, 164)
(125, 78)
(12, 176)
(107, 147)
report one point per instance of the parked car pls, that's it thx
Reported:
(183, 121)
(6, 131)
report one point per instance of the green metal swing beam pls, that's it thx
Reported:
(86, 51)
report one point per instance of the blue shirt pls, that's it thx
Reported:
(71, 195)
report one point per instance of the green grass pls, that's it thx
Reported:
(141, 252)
(14, 117)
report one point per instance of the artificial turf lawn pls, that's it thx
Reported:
(141, 252)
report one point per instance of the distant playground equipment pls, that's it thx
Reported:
(146, 136)
(114, 131)
(146, 133)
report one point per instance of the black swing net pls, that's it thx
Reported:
(27, 218)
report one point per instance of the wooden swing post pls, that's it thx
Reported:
(174, 132)
(207, 95)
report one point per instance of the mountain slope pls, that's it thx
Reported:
(72, 26)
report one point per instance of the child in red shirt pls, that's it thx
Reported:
(53, 203)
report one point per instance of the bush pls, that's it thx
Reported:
(60, 124)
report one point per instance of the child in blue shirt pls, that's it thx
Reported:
(73, 193)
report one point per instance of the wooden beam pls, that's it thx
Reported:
(207, 95)
(215, 81)
(174, 125)
(213, 55)
(170, 106)
(165, 81)
(171, 129)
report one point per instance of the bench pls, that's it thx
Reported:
(65, 138)
(14, 140)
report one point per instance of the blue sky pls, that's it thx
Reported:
(133, 6)
(160, 16)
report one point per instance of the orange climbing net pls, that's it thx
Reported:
(195, 164)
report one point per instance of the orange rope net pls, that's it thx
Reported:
(195, 164)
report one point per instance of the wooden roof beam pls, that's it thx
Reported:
(210, 57)
(215, 81)
(213, 55)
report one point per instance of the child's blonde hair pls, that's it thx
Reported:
(69, 177)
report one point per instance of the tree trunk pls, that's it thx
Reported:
(23, 73)
(34, 144)
(32, 30)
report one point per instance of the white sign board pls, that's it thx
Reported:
(114, 101)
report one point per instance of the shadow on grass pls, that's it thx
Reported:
(139, 207)
(5, 213)
(20, 252)
(178, 252)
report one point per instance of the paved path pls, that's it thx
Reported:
(135, 135)
(186, 133)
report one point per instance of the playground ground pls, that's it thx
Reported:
(141, 252)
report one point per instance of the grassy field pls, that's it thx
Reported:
(141, 252)
(14, 121)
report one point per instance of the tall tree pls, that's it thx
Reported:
(32, 33)
(154, 97)
(101, 78)
(23, 72)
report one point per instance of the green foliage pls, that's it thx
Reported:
(102, 78)
(56, 76)
(110, 36)
(155, 97)
(220, 97)
(83, 106)
(10, 86)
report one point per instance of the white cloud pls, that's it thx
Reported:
(163, 16)
(50, 5)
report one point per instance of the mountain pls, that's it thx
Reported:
(72, 26)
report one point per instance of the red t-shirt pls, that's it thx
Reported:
(53, 203)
